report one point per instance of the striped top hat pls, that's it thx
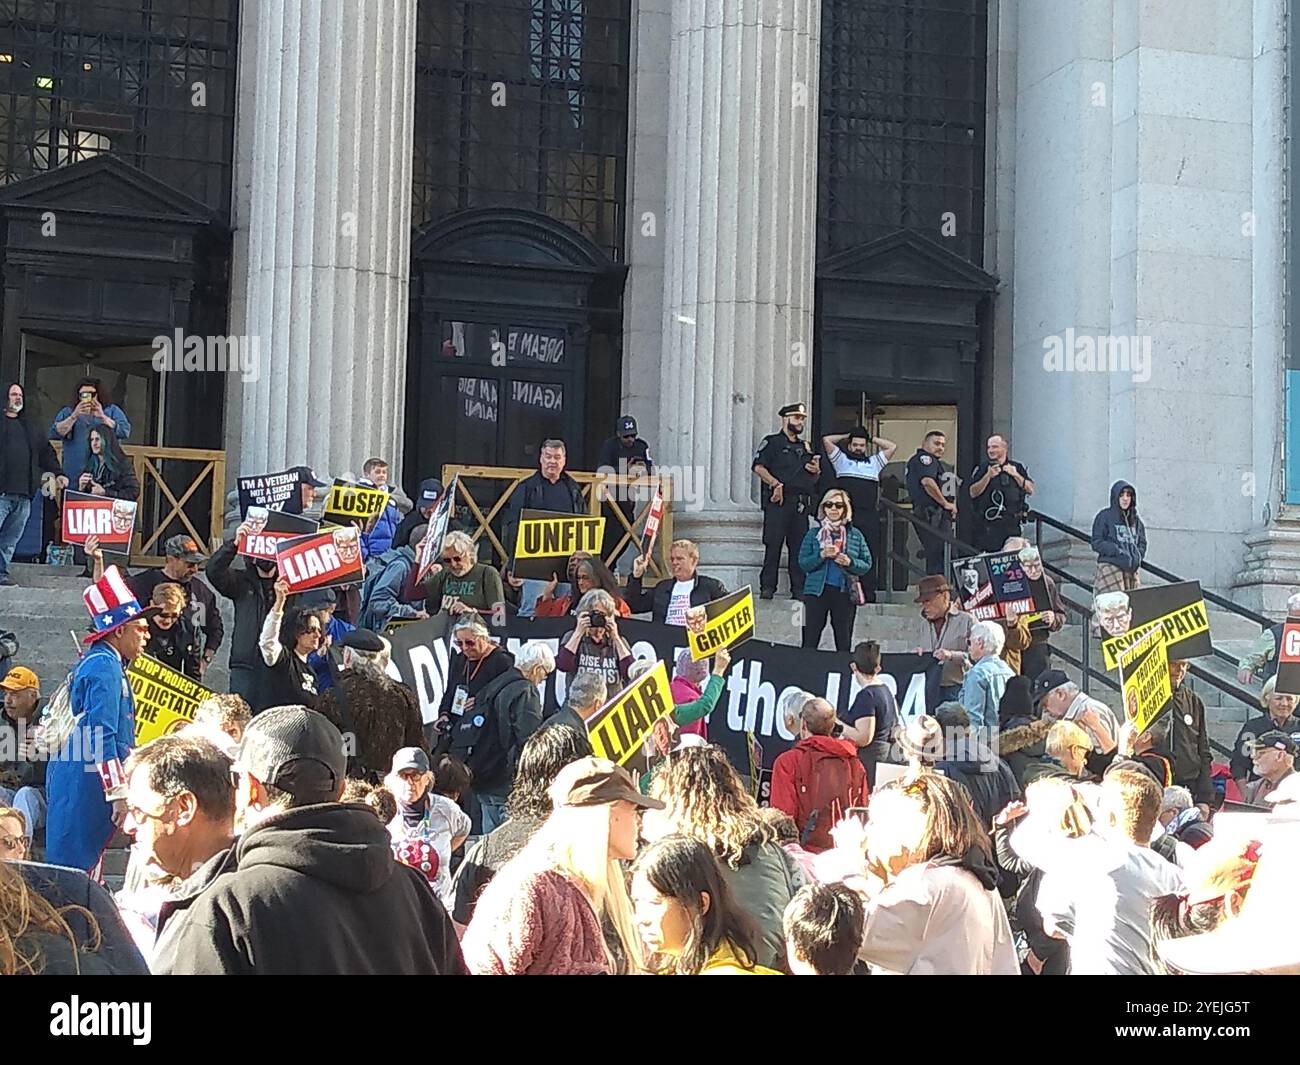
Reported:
(111, 604)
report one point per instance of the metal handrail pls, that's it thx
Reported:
(1042, 519)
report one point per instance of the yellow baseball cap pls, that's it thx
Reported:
(20, 678)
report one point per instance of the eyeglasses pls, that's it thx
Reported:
(169, 617)
(468, 644)
(312, 628)
(453, 559)
(139, 816)
(14, 843)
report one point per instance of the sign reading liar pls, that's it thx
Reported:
(165, 700)
(1144, 678)
(545, 541)
(321, 560)
(729, 621)
(87, 515)
(621, 726)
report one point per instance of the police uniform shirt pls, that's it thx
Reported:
(785, 460)
(1002, 500)
(615, 455)
(920, 466)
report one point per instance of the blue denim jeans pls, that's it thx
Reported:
(492, 809)
(13, 520)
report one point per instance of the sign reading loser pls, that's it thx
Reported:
(728, 622)
(165, 700)
(88, 515)
(354, 504)
(545, 541)
(321, 560)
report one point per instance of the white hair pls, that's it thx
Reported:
(1029, 554)
(1111, 601)
(640, 668)
(473, 622)
(598, 599)
(1176, 799)
(535, 655)
(461, 542)
(992, 635)
(1293, 604)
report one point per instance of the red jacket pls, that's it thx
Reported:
(818, 776)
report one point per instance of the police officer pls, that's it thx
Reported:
(999, 487)
(788, 469)
(624, 454)
(933, 509)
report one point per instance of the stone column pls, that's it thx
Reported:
(739, 256)
(323, 231)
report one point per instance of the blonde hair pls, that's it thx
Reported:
(707, 801)
(574, 841)
(1060, 805)
(169, 596)
(24, 913)
(689, 546)
(843, 497)
(1064, 735)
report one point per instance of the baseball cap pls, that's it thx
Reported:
(185, 548)
(1046, 681)
(317, 599)
(308, 476)
(1275, 738)
(595, 782)
(627, 425)
(20, 678)
(410, 758)
(296, 750)
(431, 490)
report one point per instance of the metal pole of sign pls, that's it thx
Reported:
(1038, 533)
(887, 563)
(947, 558)
(1085, 654)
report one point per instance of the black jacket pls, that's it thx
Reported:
(43, 458)
(1242, 766)
(383, 720)
(119, 485)
(252, 596)
(202, 610)
(990, 782)
(1118, 536)
(311, 891)
(117, 953)
(528, 497)
(657, 599)
(1191, 745)
(511, 711)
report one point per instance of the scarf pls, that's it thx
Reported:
(976, 861)
(413, 813)
(832, 532)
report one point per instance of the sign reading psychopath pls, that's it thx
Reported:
(87, 515)
(621, 726)
(354, 504)
(269, 490)
(545, 541)
(1144, 678)
(1288, 659)
(1177, 608)
(325, 559)
(165, 700)
(266, 528)
(728, 622)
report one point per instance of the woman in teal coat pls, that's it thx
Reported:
(834, 556)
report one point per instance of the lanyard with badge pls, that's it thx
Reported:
(461, 697)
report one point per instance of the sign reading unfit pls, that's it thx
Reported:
(545, 541)
(619, 728)
(729, 621)
(164, 699)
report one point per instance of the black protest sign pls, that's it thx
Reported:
(761, 674)
(268, 490)
(1012, 587)
(354, 504)
(437, 531)
(1288, 659)
(1178, 608)
(970, 576)
(266, 528)
(545, 541)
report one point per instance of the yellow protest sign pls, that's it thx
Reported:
(1181, 624)
(354, 504)
(1144, 677)
(545, 541)
(164, 699)
(728, 621)
(620, 727)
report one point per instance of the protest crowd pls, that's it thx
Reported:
(545, 796)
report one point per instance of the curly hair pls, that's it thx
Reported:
(24, 912)
(707, 801)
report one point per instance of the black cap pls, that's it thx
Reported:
(431, 491)
(316, 599)
(1278, 739)
(296, 750)
(363, 640)
(308, 476)
(792, 408)
(1046, 681)
(627, 425)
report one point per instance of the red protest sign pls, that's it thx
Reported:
(1288, 658)
(653, 518)
(321, 560)
(266, 528)
(88, 515)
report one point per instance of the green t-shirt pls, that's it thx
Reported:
(480, 588)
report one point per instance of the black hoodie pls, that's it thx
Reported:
(1118, 536)
(313, 890)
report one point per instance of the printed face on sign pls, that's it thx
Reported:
(256, 520)
(123, 516)
(347, 543)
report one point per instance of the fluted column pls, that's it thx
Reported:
(323, 230)
(741, 244)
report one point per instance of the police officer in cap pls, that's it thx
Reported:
(788, 469)
(933, 509)
(624, 454)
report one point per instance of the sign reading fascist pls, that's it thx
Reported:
(545, 541)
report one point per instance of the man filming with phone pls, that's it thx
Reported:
(1000, 487)
(596, 645)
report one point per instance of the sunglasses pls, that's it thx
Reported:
(834, 503)
(312, 628)
(168, 617)
(464, 644)
(453, 559)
